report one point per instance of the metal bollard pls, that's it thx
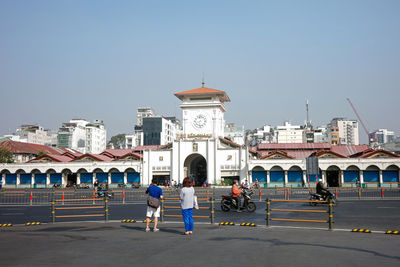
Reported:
(105, 209)
(162, 211)
(123, 196)
(359, 193)
(268, 209)
(259, 189)
(211, 210)
(31, 199)
(330, 211)
(53, 211)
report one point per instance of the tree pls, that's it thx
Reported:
(118, 141)
(6, 156)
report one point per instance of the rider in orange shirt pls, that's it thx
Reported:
(236, 192)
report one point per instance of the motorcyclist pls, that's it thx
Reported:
(236, 192)
(321, 190)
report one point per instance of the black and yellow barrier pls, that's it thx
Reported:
(329, 211)
(54, 208)
(32, 223)
(226, 223)
(210, 207)
(248, 224)
(5, 224)
(390, 232)
(145, 220)
(128, 221)
(362, 230)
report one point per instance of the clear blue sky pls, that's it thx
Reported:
(103, 59)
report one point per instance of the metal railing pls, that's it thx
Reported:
(329, 212)
(133, 195)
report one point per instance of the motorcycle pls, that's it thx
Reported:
(228, 203)
(318, 197)
(101, 192)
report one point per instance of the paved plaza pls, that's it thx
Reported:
(117, 244)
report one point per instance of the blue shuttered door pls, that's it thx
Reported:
(11, 178)
(40, 178)
(55, 178)
(261, 176)
(102, 177)
(351, 176)
(86, 178)
(26, 178)
(390, 176)
(295, 176)
(371, 176)
(117, 178)
(277, 176)
(133, 177)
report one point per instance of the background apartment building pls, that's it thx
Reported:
(234, 133)
(288, 133)
(343, 132)
(83, 136)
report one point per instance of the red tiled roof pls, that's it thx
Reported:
(347, 151)
(204, 91)
(229, 142)
(290, 146)
(27, 148)
(97, 157)
(56, 158)
(371, 153)
(136, 155)
(117, 152)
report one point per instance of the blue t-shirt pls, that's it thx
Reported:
(154, 191)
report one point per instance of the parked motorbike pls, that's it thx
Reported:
(228, 203)
(318, 197)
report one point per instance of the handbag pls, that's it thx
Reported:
(195, 204)
(153, 202)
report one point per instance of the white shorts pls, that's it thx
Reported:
(152, 211)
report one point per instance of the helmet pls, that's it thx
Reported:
(235, 181)
(319, 180)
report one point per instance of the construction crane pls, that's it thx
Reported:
(371, 140)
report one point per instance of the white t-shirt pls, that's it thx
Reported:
(186, 196)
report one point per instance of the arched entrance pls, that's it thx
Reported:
(332, 176)
(196, 168)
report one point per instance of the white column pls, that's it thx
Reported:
(341, 173)
(3, 179)
(78, 178)
(324, 177)
(361, 177)
(109, 178)
(125, 178)
(47, 178)
(286, 178)
(380, 178)
(305, 178)
(18, 182)
(268, 177)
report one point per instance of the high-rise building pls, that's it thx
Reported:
(159, 130)
(83, 136)
(383, 136)
(343, 132)
(288, 133)
(34, 134)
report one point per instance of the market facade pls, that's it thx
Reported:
(202, 153)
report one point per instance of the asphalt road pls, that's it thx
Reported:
(116, 244)
(373, 214)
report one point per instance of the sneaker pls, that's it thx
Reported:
(155, 230)
(147, 229)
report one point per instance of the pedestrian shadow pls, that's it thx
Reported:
(142, 228)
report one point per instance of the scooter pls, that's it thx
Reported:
(228, 202)
(318, 197)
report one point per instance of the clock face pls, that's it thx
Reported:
(199, 121)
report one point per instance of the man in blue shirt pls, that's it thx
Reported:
(156, 192)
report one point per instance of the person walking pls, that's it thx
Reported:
(156, 192)
(187, 201)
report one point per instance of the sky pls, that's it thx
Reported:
(103, 59)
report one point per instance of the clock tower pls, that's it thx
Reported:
(203, 112)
